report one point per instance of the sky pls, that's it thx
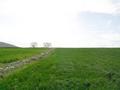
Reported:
(64, 23)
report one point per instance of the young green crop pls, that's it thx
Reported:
(69, 69)
(8, 55)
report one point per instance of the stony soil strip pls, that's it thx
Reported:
(14, 65)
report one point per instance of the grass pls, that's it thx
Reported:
(69, 69)
(8, 55)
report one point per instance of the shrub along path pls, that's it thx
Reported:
(17, 64)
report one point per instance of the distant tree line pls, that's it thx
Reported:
(45, 44)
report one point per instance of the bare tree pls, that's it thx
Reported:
(47, 44)
(34, 44)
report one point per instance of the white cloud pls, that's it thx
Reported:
(49, 20)
(116, 6)
(112, 39)
(111, 36)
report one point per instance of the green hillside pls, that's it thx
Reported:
(69, 69)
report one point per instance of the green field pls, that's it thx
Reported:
(8, 55)
(69, 69)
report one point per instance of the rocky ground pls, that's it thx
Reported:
(14, 65)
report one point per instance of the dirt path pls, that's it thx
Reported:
(14, 65)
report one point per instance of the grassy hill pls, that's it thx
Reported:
(6, 45)
(69, 69)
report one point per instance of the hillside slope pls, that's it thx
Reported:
(4, 45)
